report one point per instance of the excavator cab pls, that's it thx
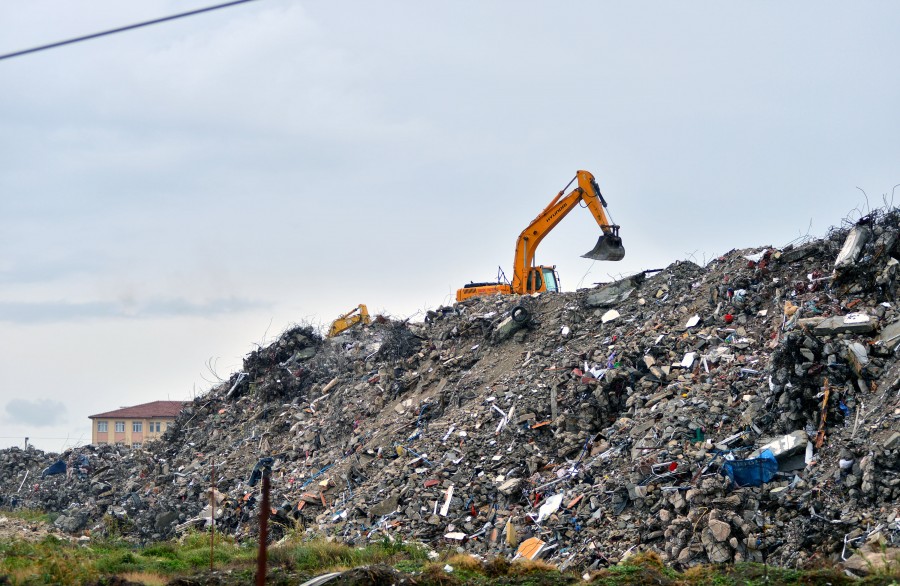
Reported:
(608, 247)
(551, 280)
(542, 279)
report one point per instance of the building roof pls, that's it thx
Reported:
(144, 411)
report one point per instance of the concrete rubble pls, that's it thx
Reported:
(540, 426)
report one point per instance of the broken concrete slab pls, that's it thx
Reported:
(614, 293)
(853, 323)
(720, 529)
(892, 442)
(387, 506)
(890, 334)
(510, 486)
(798, 253)
(856, 240)
(784, 446)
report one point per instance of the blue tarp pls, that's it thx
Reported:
(753, 472)
(57, 468)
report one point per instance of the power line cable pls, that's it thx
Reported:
(121, 29)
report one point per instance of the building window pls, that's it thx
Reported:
(157, 426)
(102, 426)
(120, 427)
(167, 426)
(154, 427)
(137, 427)
(136, 445)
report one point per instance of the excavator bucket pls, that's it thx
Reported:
(609, 247)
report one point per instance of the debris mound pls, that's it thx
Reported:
(746, 410)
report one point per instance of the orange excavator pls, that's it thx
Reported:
(357, 315)
(528, 278)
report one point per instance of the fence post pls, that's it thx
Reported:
(263, 528)
(212, 515)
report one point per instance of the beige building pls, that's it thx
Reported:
(132, 426)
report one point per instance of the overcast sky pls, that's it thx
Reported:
(175, 195)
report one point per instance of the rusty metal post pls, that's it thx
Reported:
(820, 435)
(263, 530)
(212, 515)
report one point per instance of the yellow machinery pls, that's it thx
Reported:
(528, 278)
(357, 315)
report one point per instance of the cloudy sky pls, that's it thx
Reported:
(172, 196)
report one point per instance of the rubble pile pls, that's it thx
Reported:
(745, 410)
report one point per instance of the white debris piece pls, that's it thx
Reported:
(609, 316)
(692, 322)
(856, 318)
(446, 508)
(756, 257)
(859, 353)
(549, 507)
(449, 431)
(597, 372)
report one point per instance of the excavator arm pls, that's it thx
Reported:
(357, 315)
(608, 247)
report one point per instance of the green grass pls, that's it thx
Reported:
(30, 515)
(49, 561)
(321, 555)
(54, 561)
